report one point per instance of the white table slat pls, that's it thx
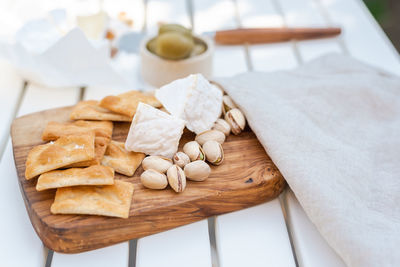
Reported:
(208, 15)
(362, 35)
(311, 249)
(19, 246)
(273, 57)
(173, 11)
(16, 226)
(238, 234)
(266, 57)
(10, 90)
(254, 237)
(116, 256)
(228, 60)
(231, 55)
(187, 245)
(314, 48)
(305, 13)
(39, 98)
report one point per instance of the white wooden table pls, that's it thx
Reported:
(277, 233)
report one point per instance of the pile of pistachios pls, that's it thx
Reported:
(192, 162)
(175, 42)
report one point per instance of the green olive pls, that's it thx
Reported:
(174, 28)
(152, 45)
(173, 45)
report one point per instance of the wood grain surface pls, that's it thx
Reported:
(246, 178)
(272, 35)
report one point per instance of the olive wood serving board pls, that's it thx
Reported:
(247, 177)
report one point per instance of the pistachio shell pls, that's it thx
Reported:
(205, 136)
(214, 152)
(197, 170)
(157, 163)
(194, 151)
(176, 178)
(222, 126)
(153, 179)
(227, 104)
(181, 159)
(236, 119)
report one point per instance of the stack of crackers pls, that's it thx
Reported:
(80, 158)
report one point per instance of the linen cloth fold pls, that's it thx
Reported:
(332, 127)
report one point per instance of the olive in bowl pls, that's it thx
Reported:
(175, 53)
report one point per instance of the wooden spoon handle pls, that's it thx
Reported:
(272, 35)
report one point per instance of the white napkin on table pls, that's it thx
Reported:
(332, 127)
(54, 53)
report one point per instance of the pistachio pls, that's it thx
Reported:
(194, 151)
(153, 179)
(157, 163)
(227, 104)
(181, 159)
(214, 152)
(197, 170)
(236, 119)
(176, 178)
(222, 126)
(205, 136)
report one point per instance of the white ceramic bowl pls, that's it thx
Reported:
(157, 71)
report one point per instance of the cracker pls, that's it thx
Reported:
(94, 175)
(108, 200)
(65, 151)
(54, 130)
(121, 160)
(100, 146)
(90, 110)
(127, 103)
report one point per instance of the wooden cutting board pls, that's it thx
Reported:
(246, 178)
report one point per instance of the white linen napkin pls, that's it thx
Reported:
(55, 53)
(332, 127)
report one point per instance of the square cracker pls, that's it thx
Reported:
(94, 175)
(54, 130)
(90, 110)
(65, 151)
(100, 146)
(108, 200)
(127, 103)
(121, 160)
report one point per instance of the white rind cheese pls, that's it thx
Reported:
(194, 100)
(154, 132)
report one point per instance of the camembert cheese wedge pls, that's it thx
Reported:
(194, 100)
(154, 132)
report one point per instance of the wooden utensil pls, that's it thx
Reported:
(272, 35)
(246, 178)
